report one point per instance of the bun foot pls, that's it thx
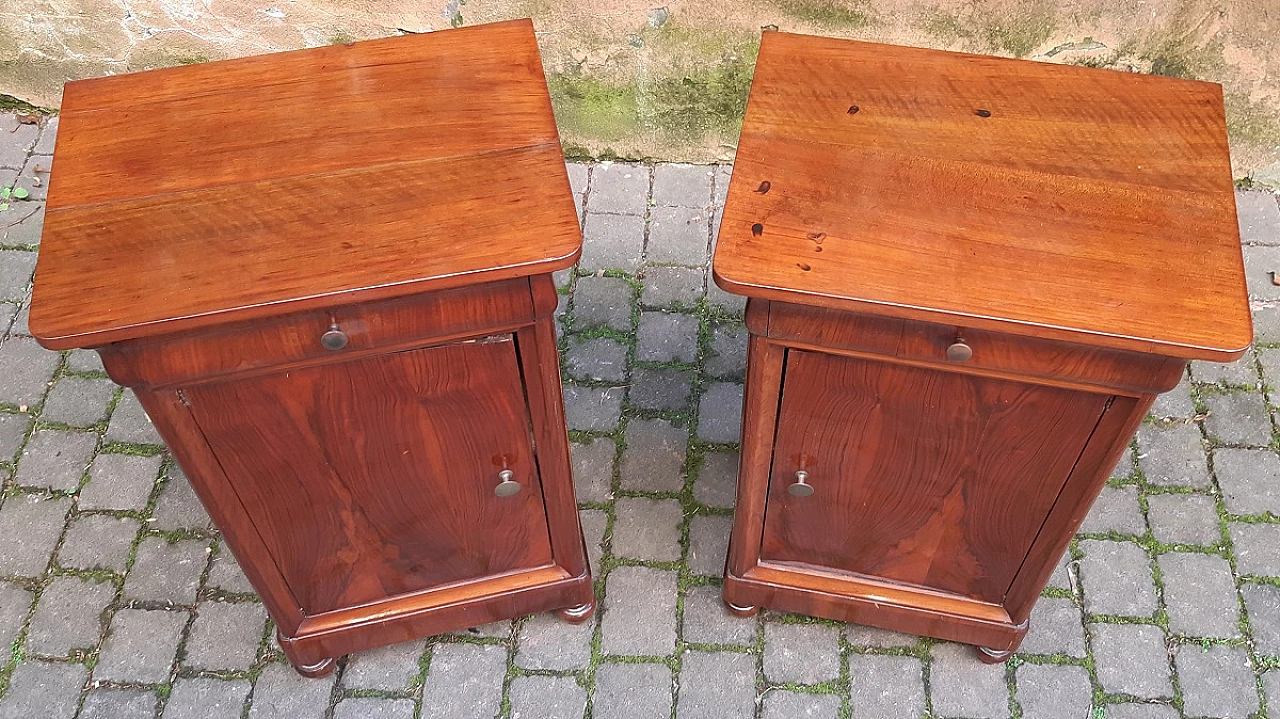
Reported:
(992, 656)
(744, 612)
(322, 668)
(578, 614)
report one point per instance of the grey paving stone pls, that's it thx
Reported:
(178, 507)
(619, 187)
(29, 219)
(16, 267)
(389, 669)
(1255, 548)
(886, 687)
(282, 693)
(562, 278)
(717, 481)
(639, 612)
(1266, 323)
(1262, 603)
(39, 522)
(647, 529)
(1117, 579)
(225, 573)
(1259, 262)
(720, 413)
(200, 698)
(372, 708)
(1183, 518)
(1124, 466)
(1259, 218)
(675, 287)
(660, 389)
(1173, 456)
(597, 359)
(492, 630)
(34, 177)
(736, 304)
(801, 653)
(728, 352)
(863, 636)
(15, 602)
(535, 697)
(611, 242)
(1055, 629)
(167, 572)
(48, 134)
(21, 322)
(783, 704)
(226, 636)
(593, 469)
(654, 458)
(1200, 595)
(1054, 692)
(1271, 690)
(602, 302)
(1240, 372)
(140, 646)
(118, 704)
(667, 337)
(8, 312)
(547, 642)
(98, 541)
(1131, 659)
(1141, 711)
(19, 140)
(963, 687)
(69, 616)
(120, 481)
(632, 691)
(706, 621)
(722, 177)
(13, 431)
(1238, 418)
(594, 522)
(708, 544)
(1116, 510)
(55, 459)
(43, 689)
(719, 685)
(1250, 480)
(78, 401)
(464, 681)
(578, 173)
(1216, 681)
(679, 235)
(592, 408)
(130, 423)
(681, 185)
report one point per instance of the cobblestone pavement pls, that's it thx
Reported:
(119, 601)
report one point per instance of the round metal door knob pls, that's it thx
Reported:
(508, 486)
(335, 339)
(959, 351)
(801, 487)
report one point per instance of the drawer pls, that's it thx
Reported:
(300, 337)
(984, 352)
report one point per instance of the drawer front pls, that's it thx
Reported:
(928, 343)
(935, 479)
(300, 337)
(381, 476)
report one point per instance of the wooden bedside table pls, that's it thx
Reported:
(968, 277)
(326, 275)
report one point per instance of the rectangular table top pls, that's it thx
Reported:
(203, 194)
(1051, 200)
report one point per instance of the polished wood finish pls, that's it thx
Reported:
(338, 312)
(957, 320)
(1087, 206)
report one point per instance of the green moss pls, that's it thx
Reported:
(590, 107)
(693, 104)
(943, 25)
(1250, 122)
(1021, 33)
(341, 37)
(831, 14)
(9, 103)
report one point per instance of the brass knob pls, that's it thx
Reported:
(335, 339)
(800, 488)
(508, 486)
(959, 351)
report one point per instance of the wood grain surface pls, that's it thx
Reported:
(1021, 197)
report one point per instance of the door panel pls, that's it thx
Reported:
(375, 477)
(931, 478)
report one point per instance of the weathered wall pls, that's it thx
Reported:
(636, 78)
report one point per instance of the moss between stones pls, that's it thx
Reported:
(828, 14)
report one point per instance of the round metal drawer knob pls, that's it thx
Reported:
(335, 339)
(508, 486)
(801, 487)
(959, 351)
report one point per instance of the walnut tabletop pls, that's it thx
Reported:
(1066, 202)
(198, 195)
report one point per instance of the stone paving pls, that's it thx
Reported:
(118, 600)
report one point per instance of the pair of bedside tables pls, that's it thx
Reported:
(326, 274)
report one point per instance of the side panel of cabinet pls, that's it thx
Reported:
(375, 477)
(931, 478)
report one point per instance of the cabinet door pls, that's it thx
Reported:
(931, 478)
(375, 477)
